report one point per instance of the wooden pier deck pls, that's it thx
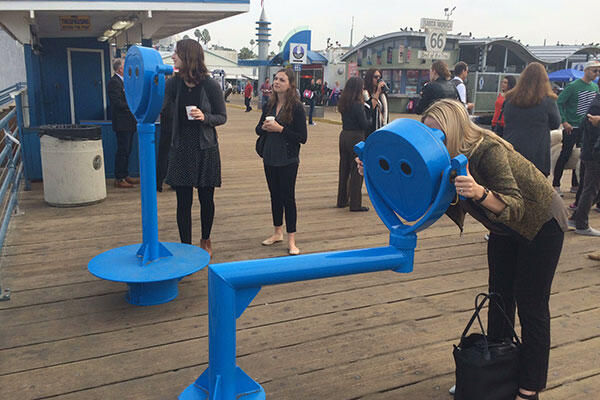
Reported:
(67, 335)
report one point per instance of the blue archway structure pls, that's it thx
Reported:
(301, 35)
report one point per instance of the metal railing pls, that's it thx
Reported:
(11, 162)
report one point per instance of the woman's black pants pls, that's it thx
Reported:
(522, 273)
(350, 181)
(282, 186)
(184, 211)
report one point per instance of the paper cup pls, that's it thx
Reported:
(188, 110)
(270, 118)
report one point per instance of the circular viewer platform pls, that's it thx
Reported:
(153, 283)
(193, 392)
(123, 265)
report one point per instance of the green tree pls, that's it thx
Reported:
(198, 34)
(205, 36)
(186, 36)
(252, 42)
(245, 54)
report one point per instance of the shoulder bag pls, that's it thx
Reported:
(486, 369)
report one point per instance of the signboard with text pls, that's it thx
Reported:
(435, 40)
(75, 23)
(298, 53)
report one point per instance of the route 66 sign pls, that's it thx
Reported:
(435, 40)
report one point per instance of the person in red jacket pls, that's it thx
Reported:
(508, 82)
(248, 95)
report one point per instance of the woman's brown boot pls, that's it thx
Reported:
(205, 244)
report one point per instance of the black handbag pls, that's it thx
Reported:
(486, 369)
(260, 145)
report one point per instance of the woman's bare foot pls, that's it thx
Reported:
(277, 236)
(526, 395)
(293, 250)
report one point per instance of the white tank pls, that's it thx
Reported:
(73, 171)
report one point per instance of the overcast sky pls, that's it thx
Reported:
(531, 21)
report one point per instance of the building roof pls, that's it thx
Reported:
(554, 54)
(364, 42)
(542, 54)
(215, 61)
(154, 19)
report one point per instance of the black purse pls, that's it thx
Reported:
(260, 145)
(486, 369)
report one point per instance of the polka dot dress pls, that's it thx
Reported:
(189, 165)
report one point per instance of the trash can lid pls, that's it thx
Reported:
(72, 131)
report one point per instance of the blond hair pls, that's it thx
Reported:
(462, 135)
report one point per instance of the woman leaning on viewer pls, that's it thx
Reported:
(527, 221)
(283, 126)
(355, 125)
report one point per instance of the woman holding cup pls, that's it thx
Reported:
(197, 106)
(283, 126)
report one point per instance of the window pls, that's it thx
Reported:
(396, 84)
(412, 81)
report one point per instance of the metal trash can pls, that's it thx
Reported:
(72, 165)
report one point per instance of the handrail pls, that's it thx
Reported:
(11, 160)
(6, 95)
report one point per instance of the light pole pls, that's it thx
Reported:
(448, 12)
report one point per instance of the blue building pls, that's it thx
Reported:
(69, 46)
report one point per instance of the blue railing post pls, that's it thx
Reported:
(21, 134)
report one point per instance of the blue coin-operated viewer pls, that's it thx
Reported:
(153, 269)
(408, 174)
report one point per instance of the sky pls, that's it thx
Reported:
(531, 21)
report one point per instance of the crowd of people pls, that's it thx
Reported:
(506, 187)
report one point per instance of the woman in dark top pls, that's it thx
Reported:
(439, 87)
(530, 113)
(508, 82)
(283, 125)
(376, 100)
(194, 159)
(354, 126)
(527, 220)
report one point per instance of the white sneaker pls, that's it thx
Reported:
(452, 390)
(486, 236)
(588, 232)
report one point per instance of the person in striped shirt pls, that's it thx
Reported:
(573, 103)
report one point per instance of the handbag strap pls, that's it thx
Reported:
(491, 297)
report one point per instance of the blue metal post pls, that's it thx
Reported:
(222, 342)
(146, 139)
